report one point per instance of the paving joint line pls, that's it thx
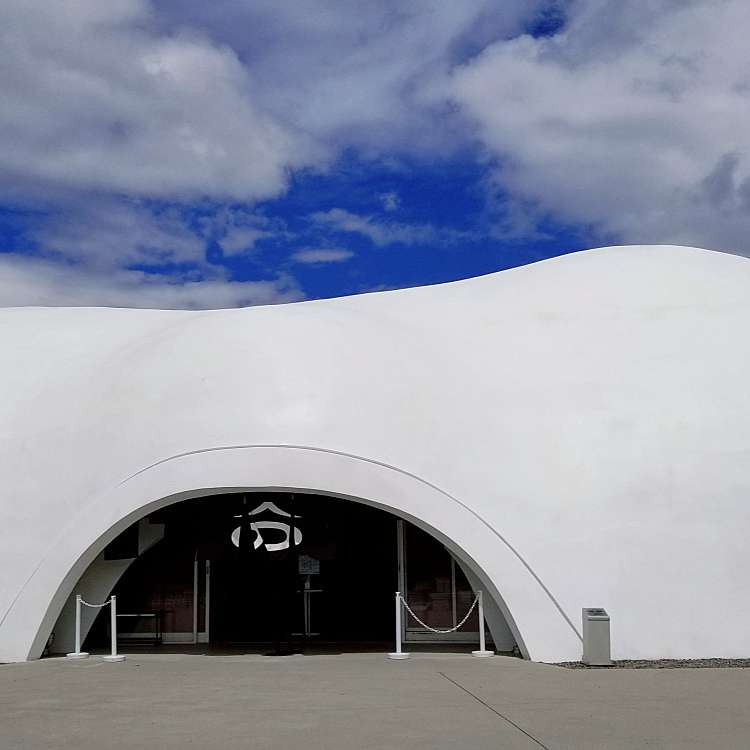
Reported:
(495, 711)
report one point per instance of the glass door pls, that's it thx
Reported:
(435, 588)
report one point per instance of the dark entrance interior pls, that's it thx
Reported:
(283, 568)
(276, 571)
(344, 566)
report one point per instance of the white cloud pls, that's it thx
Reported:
(633, 119)
(96, 96)
(369, 75)
(183, 99)
(378, 232)
(321, 255)
(239, 240)
(390, 201)
(109, 234)
(386, 232)
(239, 229)
(105, 242)
(32, 281)
(111, 110)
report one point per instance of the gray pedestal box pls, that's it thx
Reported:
(596, 637)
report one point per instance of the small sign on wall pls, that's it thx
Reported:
(309, 566)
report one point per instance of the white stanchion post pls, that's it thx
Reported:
(483, 652)
(207, 607)
(398, 653)
(114, 656)
(78, 654)
(195, 601)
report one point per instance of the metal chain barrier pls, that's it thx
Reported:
(96, 606)
(400, 602)
(436, 630)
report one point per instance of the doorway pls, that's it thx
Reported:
(256, 568)
(332, 581)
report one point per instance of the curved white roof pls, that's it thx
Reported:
(592, 410)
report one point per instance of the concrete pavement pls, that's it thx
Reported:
(364, 701)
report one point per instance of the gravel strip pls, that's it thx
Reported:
(664, 664)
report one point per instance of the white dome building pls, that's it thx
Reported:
(575, 433)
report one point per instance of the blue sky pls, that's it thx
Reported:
(194, 155)
(433, 218)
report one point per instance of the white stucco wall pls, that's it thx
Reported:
(580, 428)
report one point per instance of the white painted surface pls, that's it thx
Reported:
(593, 410)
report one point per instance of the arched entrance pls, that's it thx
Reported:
(532, 613)
(274, 571)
